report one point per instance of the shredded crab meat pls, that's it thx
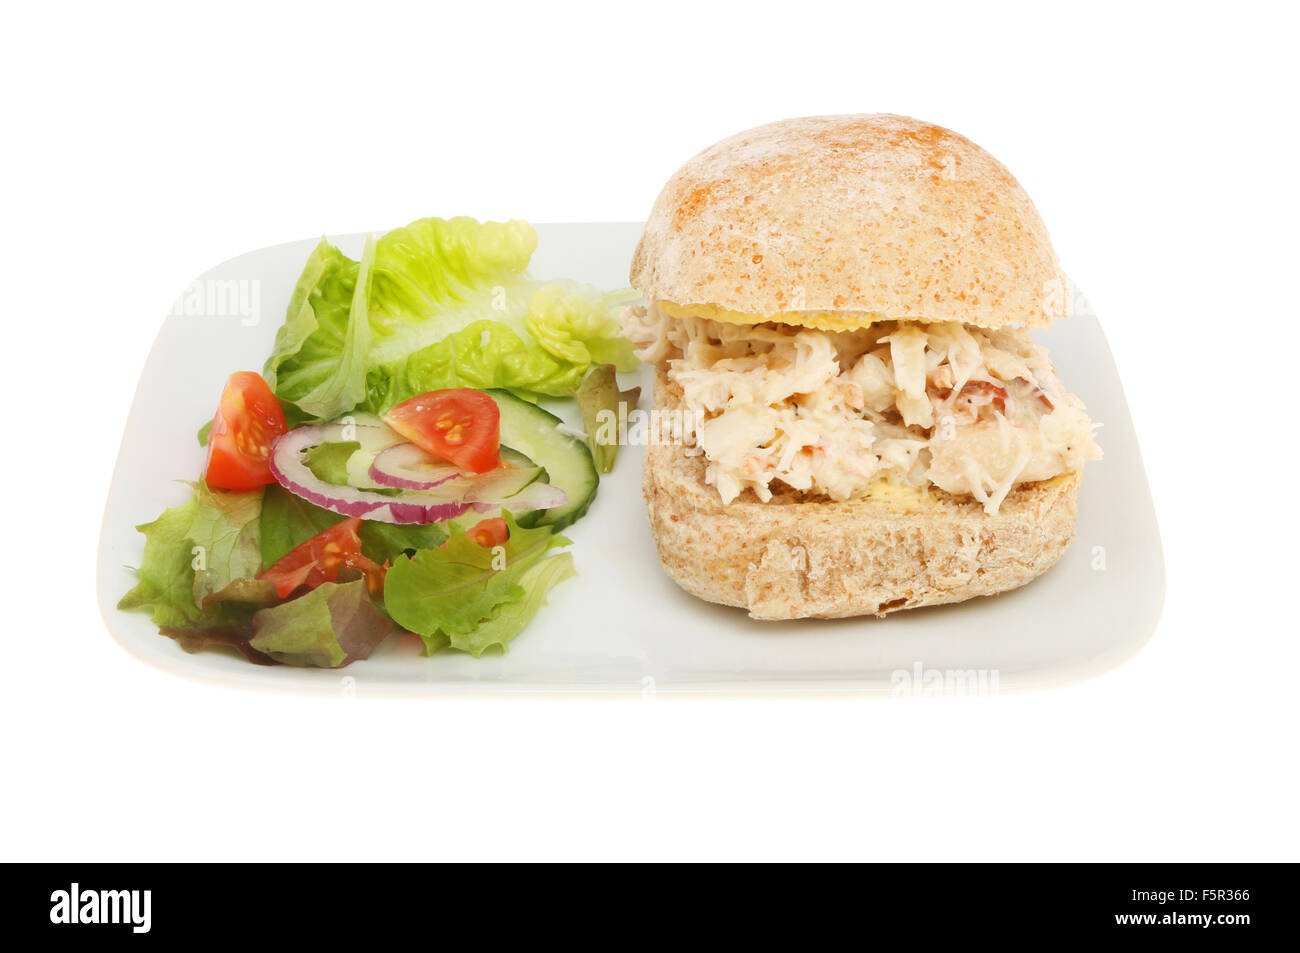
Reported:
(969, 411)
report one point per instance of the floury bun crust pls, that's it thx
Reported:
(837, 221)
(787, 559)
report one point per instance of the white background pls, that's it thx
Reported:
(143, 144)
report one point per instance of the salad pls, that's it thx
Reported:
(390, 469)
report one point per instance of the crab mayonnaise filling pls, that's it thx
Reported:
(969, 411)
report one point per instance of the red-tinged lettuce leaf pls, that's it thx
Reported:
(198, 580)
(330, 626)
(249, 592)
(599, 402)
(456, 588)
(233, 633)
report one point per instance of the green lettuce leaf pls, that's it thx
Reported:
(319, 360)
(329, 461)
(332, 625)
(448, 594)
(197, 579)
(427, 268)
(484, 355)
(537, 350)
(384, 542)
(287, 521)
(195, 575)
(165, 578)
(438, 303)
(600, 402)
(226, 539)
(577, 329)
(509, 618)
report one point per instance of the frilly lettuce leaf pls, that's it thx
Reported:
(320, 356)
(198, 581)
(428, 267)
(193, 553)
(577, 328)
(165, 579)
(470, 596)
(510, 617)
(438, 303)
(191, 578)
(485, 354)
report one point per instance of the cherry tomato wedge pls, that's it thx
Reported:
(320, 558)
(460, 425)
(488, 533)
(247, 422)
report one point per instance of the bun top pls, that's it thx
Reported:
(839, 221)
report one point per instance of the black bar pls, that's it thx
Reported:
(333, 902)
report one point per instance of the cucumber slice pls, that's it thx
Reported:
(532, 431)
(520, 460)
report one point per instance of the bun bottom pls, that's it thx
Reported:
(826, 560)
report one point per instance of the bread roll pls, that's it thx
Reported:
(837, 221)
(787, 559)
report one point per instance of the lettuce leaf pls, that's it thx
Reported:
(576, 328)
(438, 303)
(425, 269)
(192, 578)
(288, 521)
(510, 617)
(165, 578)
(384, 542)
(469, 596)
(319, 359)
(197, 579)
(193, 553)
(229, 633)
(226, 539)
(484, 355)
(599, 402)
(332, 625)
(329, 461)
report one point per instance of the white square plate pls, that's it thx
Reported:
(622, 627)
